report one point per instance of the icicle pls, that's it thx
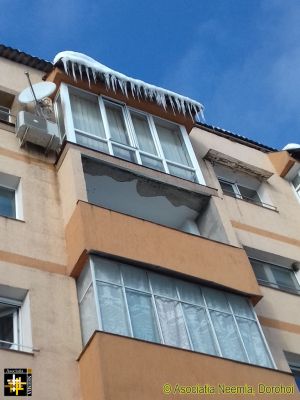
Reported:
(80, 70)
(65, 64)
(94, 75)
(107, 83)
(115, 80)
(88, 75)
(73, 71)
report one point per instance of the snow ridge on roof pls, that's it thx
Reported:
(74, 62)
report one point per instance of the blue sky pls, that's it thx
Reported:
(239, 58)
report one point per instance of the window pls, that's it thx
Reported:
(114, 128)
(4, 114)
(10, 196)
(9, 311)
(294, 364)
(275, 276)
(119, 298)
(296, 184)
(239, 191)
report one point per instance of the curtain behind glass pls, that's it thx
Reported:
(112, 309)
(172, 144)
(143, 133)
(116, 123)
(227, 335)
(142, 316)
(254, 343)
(86, 115)
(172, 323)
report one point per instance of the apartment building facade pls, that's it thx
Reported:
(148, 256)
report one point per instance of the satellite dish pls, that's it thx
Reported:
(41, 90)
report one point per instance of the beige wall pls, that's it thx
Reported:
(277, 189)
(277, 233)
(55, 332)
(39, 238)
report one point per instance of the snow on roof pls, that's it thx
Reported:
(74, 62)
(292, 146)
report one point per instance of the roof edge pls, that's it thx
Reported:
(23, 58)
(236, 137)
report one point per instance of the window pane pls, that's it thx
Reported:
(112, 309)
(172, 143)
(126, 154)
(152, 162)
(7, 324)
(163, 285)
(107, 270)
(7, 202)
(143, 133)
(172, 323)
(240, 306)
(284, 278)
(117, 127)
(142, 316)
(86, 114)
(253, 342)
(60, 118)
(227, 335)
(135, 278)
(84, 281)
(190, 292)
(227, 188)
(199, 329)
(92, 143)
(296, 181)
(249, 194)
(215, 299)
(259, 270)
(182, 172)
(88, 315)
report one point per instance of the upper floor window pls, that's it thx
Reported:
(242, 185)
(296, 184)
(10, 202)
(133, 135)
(275, 276)
(119, 298)
(239, 191)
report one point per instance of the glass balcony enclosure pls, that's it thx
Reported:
(119, 298)
(114, 128)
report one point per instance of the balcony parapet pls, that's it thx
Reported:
(115, 367)
(95, 229)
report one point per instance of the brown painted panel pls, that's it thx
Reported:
(114, 367)
(95, 228)
(282, 162)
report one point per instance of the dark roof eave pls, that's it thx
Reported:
(235, 137)
(26, 59)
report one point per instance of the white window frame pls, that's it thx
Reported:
(133, 141)
(15, 345)
(271, 282)
(296, 189)
(91, 266)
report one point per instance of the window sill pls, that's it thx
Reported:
(292, 292)
(262, 205)
(27, 353)
(12, 218)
